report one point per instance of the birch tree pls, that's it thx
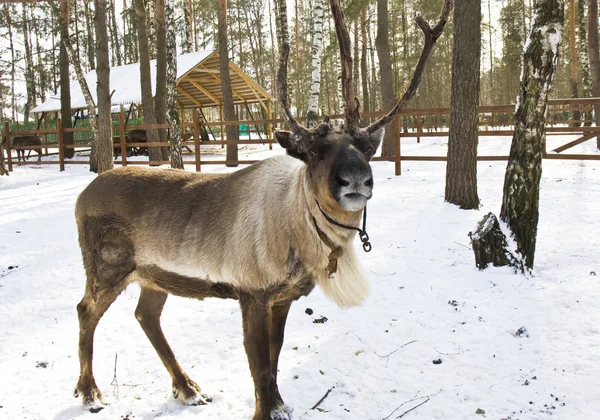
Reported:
(520, 202)
(317, 54)
(584, 62)
(171, 85)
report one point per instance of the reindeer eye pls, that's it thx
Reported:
(369, 182)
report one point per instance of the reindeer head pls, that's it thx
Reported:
(338, 160)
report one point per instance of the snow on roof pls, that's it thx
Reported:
(124, 81)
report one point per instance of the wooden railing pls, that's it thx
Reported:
(412, 123)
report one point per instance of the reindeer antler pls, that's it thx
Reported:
(341, 30)
(284, 51)
(430, 35)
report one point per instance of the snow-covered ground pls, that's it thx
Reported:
(429, 302)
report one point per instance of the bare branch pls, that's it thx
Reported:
(341, 31)
(430, 36)
(284, 51)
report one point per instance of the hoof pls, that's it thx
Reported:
(283, 412)
(190, 394)
(91, 395)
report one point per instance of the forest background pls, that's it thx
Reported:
(29, 45)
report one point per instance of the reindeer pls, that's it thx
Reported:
(264, 235)
(25, 141)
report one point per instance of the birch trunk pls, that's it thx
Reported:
(160, 98)
(584, 62)
(8, 15)
(171, 86)
(188, 39)
(104, 144)
(520, 203)
(151, 27)
(317, 55)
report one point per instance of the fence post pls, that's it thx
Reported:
(197, 139)
(122, 139)
(419, 128)
(397, 162)
(222, 116)
(8, 150)
(61, 148)
(270, 125)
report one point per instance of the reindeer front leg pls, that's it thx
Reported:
(256, 315)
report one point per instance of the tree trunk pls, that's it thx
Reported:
(594, 59)
(76, 63)
(576, 115)
(29, 76)
(104, 144)
(8, 15)
(160, 99)
(461, 169)
(385, 69)
(188, 39)
(115, 44)
(228, 107)
(364, 69)
(171, 86)
(317, 48)
(584, 62)
(151, 27)
(65, 87)
(154, 153)
(520, 203)
(89, 18)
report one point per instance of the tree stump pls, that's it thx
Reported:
(490, 246)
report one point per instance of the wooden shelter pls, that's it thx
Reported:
(198, 86)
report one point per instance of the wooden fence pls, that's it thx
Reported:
(411, 123)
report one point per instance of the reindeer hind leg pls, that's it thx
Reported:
(105, 281)
(148, 314)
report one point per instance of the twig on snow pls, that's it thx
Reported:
(115, 382)
(450, 354)
(322, 398)
(387, 356)
(458, 243)
(416, 397)
(406, 344)
(415, 407)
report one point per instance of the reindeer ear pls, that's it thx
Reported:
(294, 146)
(368, 143)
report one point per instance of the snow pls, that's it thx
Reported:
(429, 302)
(121, 77)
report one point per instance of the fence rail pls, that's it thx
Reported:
(565, 117)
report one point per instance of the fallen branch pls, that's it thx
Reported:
(322, 398)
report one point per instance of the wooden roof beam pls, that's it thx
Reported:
(206, 92)
(190, 97)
